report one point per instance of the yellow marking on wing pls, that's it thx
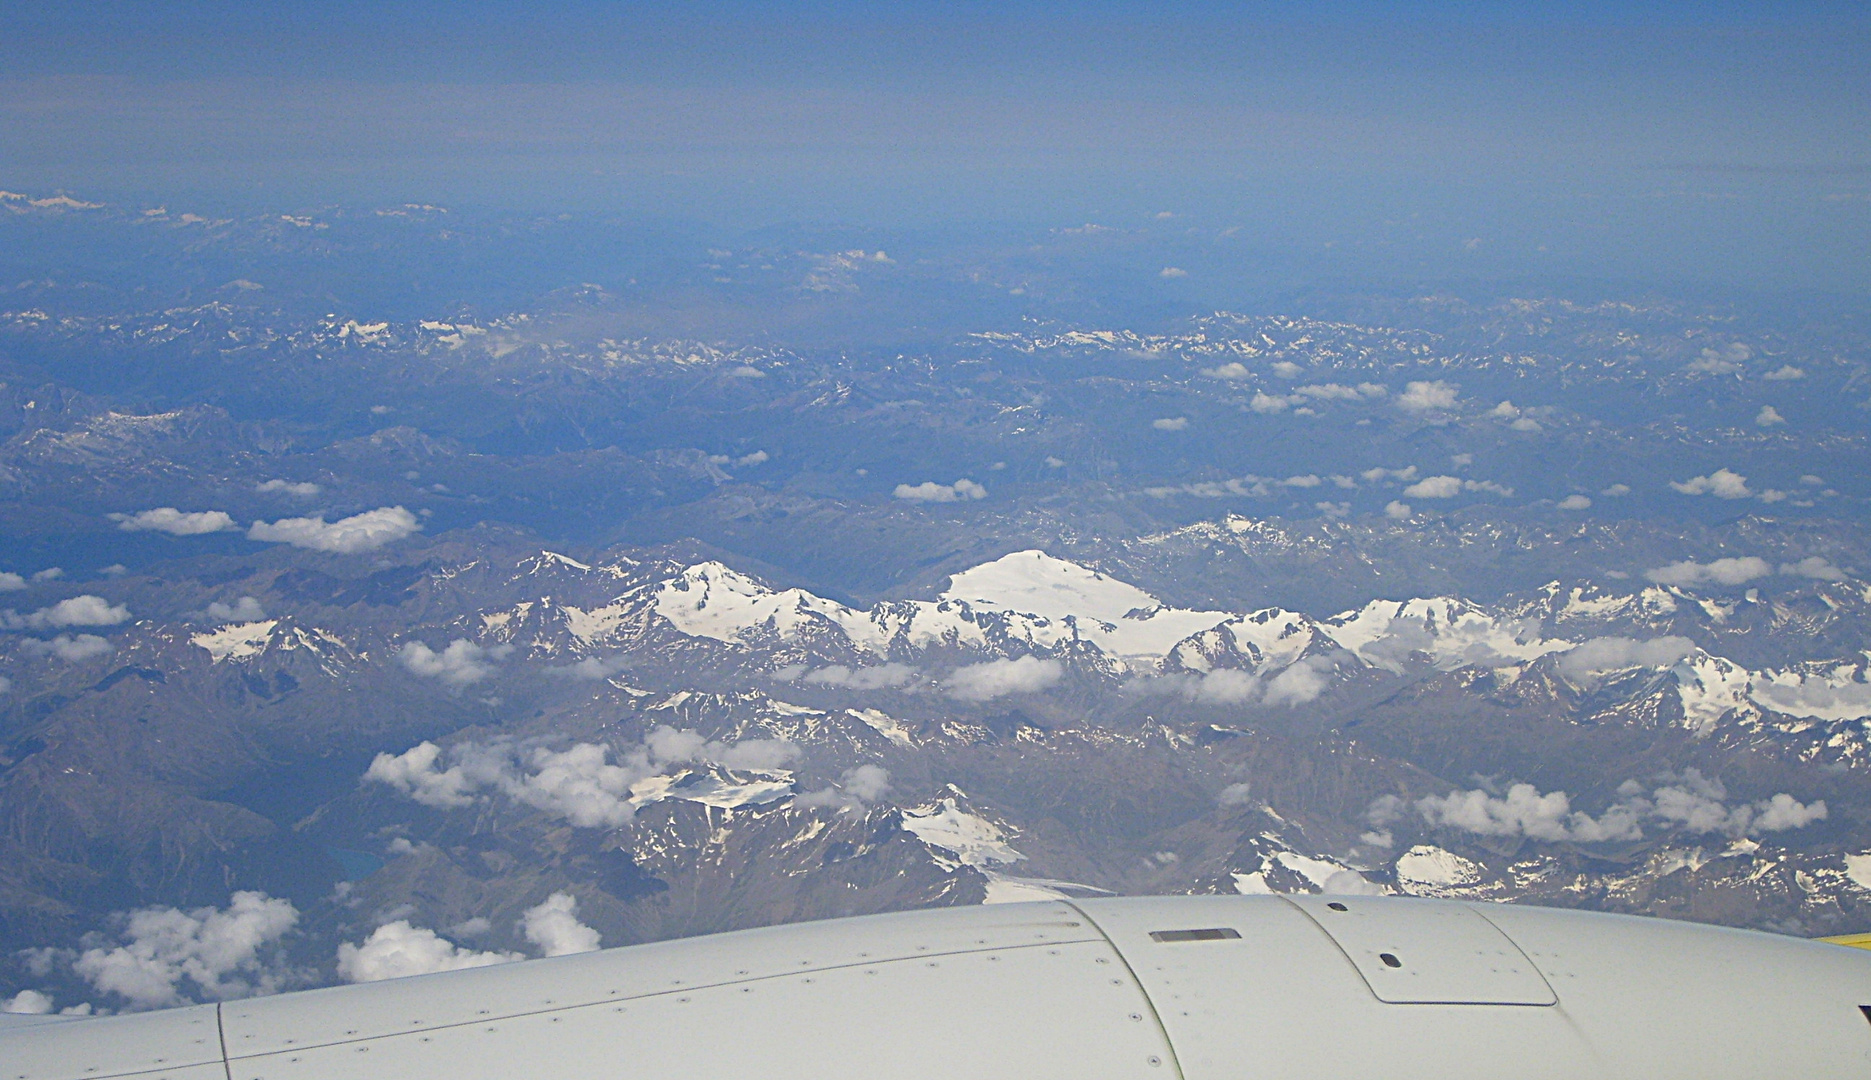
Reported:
(1855, 941)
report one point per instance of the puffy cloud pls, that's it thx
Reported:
(246, 609)
(303, 489)
(397, 950)
(1447, 487)
(1724, 361)
(1525, 812)
(1172, 272)
(930, 491)
(1814, 696)
(413, 772)
(1722, 483)
(1506, 410)
(580, 785)
(1720, 572)
(875, 677)
(855, 789)
(86, 610)
(758, 457)
(1617, 490)
(1170, 423)
(1235, 795)
(1427, 396)
(27, 1003)
(1397, 511)
(1435, 487)
(71, 648)
(1349, 882)
(1813, 566)
(50, 573)
(1232, 370)
(1575, 502)
(553, 927)
(1584, 662)
(367, 531)
(1299, 683)
(11, 582)
(1785, 373)
(1769, 416)
(168, 519)
(1688, 802)
(460, 662)
(214, 953)
(998, 678)
(1286, 369)
(1264, 402)
(1372, 476)
(1525, 423)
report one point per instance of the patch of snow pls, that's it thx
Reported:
(1427, 870)
(886, 725)
(972, 839)
(237, 641)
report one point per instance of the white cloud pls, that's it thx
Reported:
(214, 953)
(1232, 370)
(1813, 566)
(1264, 402)
(1722, 483)
(11, 582)
(1299, 683)
(397, 950)
(579, 785)
(1427, 396)
(553, 927)
(1306, 481)
(1435, 487)
(86, 610)
(930, 491)
(875, 677)
(1689, 802)
(302, 489)
(367, 531)
(246, 609)
(1372, 476)
(168, 519)
(1575, 502)
(460, 662)
(1338, 392)
(1584, 662)
(1617, 490)
(1526, 812)
(1720, 572)
(1172, 272)
(1286, 369)
(856, 788)
(1525, 423)
(1170, 423)
(758, 457)
(1769, 416)
(71, 648)
(1724, 361)
(27, 1003)
(1397, 511)
(1506, 410)
(50, 573)
(1239, 794)
(998, 678)
(1785, 373)
(1333, 510)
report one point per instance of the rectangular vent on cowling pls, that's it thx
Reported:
(1213, 933)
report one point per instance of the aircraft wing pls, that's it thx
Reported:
(1190, 988)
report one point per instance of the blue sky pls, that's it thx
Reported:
(1726, 142)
